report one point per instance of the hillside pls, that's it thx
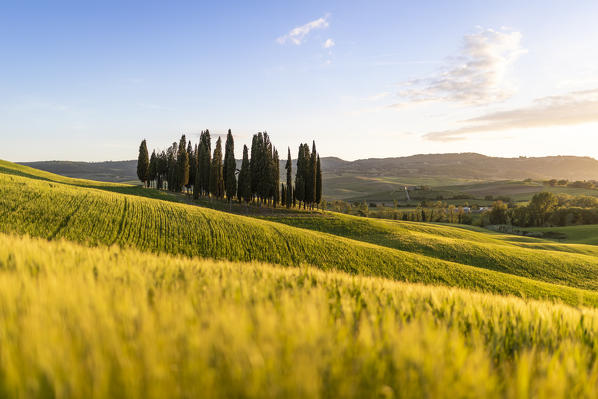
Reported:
(98, 322)
(360, 178)
(97, 216)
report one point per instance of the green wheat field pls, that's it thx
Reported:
(110, 290)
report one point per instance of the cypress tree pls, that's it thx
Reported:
(289, 168)
(283, 194)
(294, 193)
(265, 170)
(299, 176)
(204, 163)
(162, 169)
(171, 174)
(254, 167)
(153, 167)
(192, 168)
(275, 178)
(313, 171)
(143, 163)
(230, 167)
(182, 164)
(216, 178)
(318, 181)
(244, 189)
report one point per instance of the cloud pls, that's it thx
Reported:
(378, 96)
(476, 76)
(298, 34)
(329, 43)
(570, 109)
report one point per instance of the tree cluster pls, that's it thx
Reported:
(196, 169)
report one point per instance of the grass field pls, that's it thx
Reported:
(96, 322)
(110, 290)
(584, 234)
(95, 217)
(388, 189)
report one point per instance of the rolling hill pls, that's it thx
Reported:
(367, 177)
(111, 290)
(96, 215)
(108, 322)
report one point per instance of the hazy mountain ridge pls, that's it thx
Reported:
(454, 165)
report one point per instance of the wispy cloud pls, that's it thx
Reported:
(298, 34)
(570, 109)
(378, 96)
(477, 75)
(329, 43)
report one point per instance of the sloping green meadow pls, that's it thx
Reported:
(96, 217)
(567, 264)
(108, 322)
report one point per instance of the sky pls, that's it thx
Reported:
(87, 81)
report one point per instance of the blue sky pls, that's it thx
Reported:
(89, 80)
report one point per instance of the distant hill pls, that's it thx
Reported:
(111, 171)
(471, 166)
(351, 179)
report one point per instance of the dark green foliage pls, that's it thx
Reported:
(255, 164)
(283, 194)
(182, 165)
(216, 175)
(230, 167)
(143, 163)
(318, 181)
(244, 188)
(265, 182)
(186, 166)
(204, 163)
(153, 167)
(312, 176)
(541, 205)
(162, 169)
(192, 168)
(499, 213)
(289, 168)
(275, 178)
(300, 175)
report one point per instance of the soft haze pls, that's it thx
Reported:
(83, 81)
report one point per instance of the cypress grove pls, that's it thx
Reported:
(195, 168)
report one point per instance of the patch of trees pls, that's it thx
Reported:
(547, 209)
(586, 184)
(184, 167)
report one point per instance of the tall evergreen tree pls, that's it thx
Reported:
(313, 171)
(318, 181)
(289, 168)
(275, 173)
(265, 186)
(204, 162)
(216, 175)
(283, 194)
(300, 175)
(192, 169)
(172, 167)
(143, 163)
(254, 163)
(153, 168)
(230, 167)
(162, 169)
(244, 189)
(182, 164)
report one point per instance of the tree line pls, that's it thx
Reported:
(196, 170)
